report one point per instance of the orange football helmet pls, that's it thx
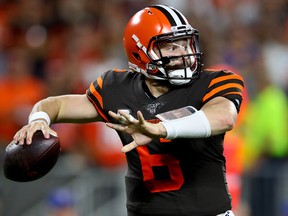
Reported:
(145, 34)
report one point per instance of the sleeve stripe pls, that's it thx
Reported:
(100, 82)
(98, 109)
(221, 88)
(96, 94)
(228, 77)
(233, 93)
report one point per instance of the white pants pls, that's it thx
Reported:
(227, 213)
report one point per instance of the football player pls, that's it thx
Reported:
(170, 113)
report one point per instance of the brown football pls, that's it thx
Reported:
(23, 163)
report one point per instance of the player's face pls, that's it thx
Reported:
(176, 50)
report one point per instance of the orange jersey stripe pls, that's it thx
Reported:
(101, 113)
(221, 88)
(100, 82)
(99, 110)
(119, 70)
(96, 94)
(163, 140)
(219, 79)
(234, 93)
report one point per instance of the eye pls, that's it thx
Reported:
(171, 48)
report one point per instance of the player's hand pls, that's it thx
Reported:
(27, 132)
(141, 131)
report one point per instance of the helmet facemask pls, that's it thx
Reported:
(174, 56)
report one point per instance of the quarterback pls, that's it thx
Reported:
(170, 113)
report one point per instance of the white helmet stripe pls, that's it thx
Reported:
(172, 12)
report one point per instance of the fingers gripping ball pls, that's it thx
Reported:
(23, 163)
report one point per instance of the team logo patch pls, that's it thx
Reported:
(152, 108)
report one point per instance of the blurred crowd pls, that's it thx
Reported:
(61, 46)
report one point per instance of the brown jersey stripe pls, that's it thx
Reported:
(223, 78)
(221, 88)
(96, 94)
(100, 82)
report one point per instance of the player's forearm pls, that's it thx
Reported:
(221, 114)
(68, 109)
(221, 123)
(50, 105)
(215, 117)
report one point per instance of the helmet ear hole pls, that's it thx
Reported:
(136, 56)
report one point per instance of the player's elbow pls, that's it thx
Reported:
(222, 123)
(229, 117)
(228, 121)
(229, 124)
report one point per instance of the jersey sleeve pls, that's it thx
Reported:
(94, 94)
(225, 84)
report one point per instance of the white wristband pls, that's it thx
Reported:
(39, 116)
(195, 125)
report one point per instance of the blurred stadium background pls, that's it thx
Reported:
(60, 46)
